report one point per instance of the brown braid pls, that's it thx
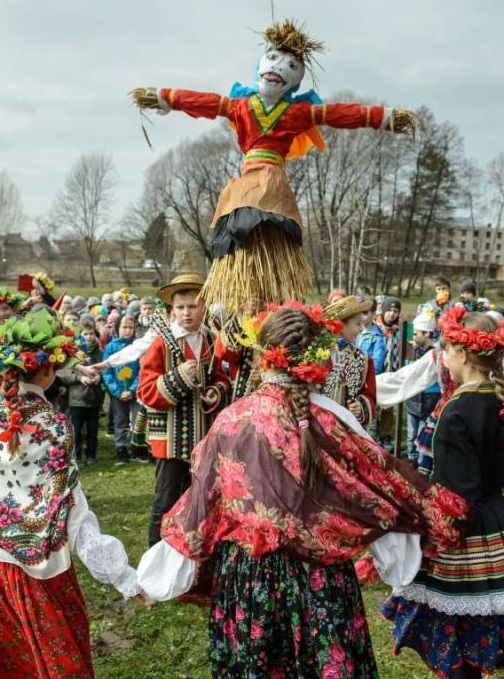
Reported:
(294, 330)
(12, 403)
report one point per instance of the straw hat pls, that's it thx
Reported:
(348, 306)
(184, 281)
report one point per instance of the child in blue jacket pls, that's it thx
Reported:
(121, 383)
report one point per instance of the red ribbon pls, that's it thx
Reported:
(15, 426)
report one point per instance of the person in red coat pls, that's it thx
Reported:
(181, 388)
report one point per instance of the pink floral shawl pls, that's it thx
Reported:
(247, 488)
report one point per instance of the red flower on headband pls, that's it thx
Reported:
(29, 359)
(276, 356)
(334, 326)
(316, 313)
(483, 341)
(471, 339)
(310, 372)
(69, 349)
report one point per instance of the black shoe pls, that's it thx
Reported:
(139, 454)
(122, 456)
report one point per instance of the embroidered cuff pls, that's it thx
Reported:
(221, 391)
(172, 386)
(366, 414)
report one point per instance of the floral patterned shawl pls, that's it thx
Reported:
(36, 488)
(246, 488)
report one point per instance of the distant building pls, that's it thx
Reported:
(464, 250)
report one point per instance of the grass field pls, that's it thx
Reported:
(169, 642)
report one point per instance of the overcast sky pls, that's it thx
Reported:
(66, 67)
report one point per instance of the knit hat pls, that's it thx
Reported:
(133, 308)
(391, 303)
(78, 303)
(93, 301)
(424, 322)
(468, 285)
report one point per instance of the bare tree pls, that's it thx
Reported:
(11, 216)
(339, 182)
(185, 183)
(428, 204)
(83, 205)
(11, 208)
(471, 198)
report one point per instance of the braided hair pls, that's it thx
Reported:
(294, 330)
(13, 404)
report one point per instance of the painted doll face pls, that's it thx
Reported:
(278, 73)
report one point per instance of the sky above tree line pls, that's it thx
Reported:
(66, 68)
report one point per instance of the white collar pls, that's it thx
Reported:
(26, 388)
(178, 331)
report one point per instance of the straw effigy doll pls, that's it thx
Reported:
(257, 228)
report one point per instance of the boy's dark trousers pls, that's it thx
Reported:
(89, 416)
(173, 478)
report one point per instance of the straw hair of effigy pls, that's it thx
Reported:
(145, 97)
(270, 268)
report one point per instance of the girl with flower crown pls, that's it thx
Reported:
(9, 303)
(452, 614)
(284, 493)
(44, 515)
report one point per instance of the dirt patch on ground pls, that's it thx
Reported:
(110, 642)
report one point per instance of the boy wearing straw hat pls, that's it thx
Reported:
(352, 382)
(181, 387)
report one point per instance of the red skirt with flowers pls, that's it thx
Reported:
(44, 631)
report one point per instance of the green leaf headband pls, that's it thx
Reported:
(34, 341)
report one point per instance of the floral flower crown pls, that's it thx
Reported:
(13, 299)
(306, 366)
(34, 341)
(44, 280)
(481, 342)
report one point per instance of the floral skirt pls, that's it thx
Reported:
(279, 618)
(44, 632)
(445, 641)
